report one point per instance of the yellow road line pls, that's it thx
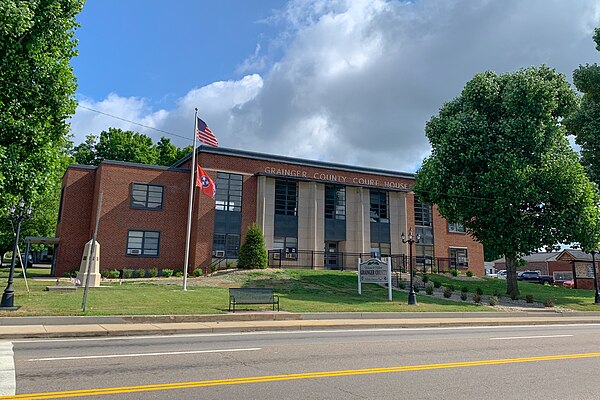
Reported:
(288, 377)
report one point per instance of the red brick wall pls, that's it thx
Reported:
(73, 226)
(117, 217)
(444, 240)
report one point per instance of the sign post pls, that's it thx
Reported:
(375, 271)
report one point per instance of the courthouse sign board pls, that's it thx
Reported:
(375, 271)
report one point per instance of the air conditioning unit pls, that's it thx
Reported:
(292, 256)
(219, 253)
(135, 252)
(276, 256)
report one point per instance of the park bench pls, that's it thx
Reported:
(252, 296)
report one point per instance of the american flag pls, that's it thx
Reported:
(205, 135)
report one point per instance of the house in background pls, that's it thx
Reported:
(565, 265)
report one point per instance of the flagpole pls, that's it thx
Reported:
(191, 202)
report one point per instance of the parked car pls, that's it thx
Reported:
(535, 277)
(569, 283)
(501, 274)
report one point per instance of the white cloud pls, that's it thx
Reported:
(357, 80)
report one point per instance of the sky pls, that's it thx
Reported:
(351, 82)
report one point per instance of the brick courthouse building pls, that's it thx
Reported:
(313, 214)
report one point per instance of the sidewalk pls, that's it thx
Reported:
(54, 327)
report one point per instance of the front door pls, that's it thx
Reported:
(332, 260)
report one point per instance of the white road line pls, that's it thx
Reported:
(301, 332)
(529, 337)
(168, 353)
(8, 381)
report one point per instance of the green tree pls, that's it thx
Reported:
(253, 253)
(585, 123)
(36, 94)
(85, 153)
(117, 144)
(501, 166)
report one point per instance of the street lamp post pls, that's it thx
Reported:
(597, 295)
(18, 215)
(412, 297)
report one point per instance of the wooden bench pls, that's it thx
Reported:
(252, 296)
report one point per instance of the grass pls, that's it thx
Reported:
(299, 291)
(575, 299)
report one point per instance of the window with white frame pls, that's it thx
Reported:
(456, 228)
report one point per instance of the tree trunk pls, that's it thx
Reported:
(511, 275)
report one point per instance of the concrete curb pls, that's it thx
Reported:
(264, 325)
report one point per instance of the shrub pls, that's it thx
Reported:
(479, 291)
(514, 296)
(140, 273)
(114, 273)
(448, 292)
(549, 302)
(402, 285)
(469, 274)
(437, 284)
(493, 301)
(178, 274)
(529, 298)
(464, 289)
(425, 278)
(253, 253)
(166, 272)
(153, 272)
(454, 272)
(104, 273)
(477, 298)
(127, 273)
(228, 264)
(463, 296)
(197, 272)
(497, 293)
(416, 289)
(429, 289)
(451, 287)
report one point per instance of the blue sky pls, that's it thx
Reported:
(158, 50)
(346, 81)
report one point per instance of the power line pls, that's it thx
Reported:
(133, 122)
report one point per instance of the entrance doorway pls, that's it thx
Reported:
(332, 256)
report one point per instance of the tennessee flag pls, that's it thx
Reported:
(204, 182)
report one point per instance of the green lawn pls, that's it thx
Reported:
(575, 299)
(299, 291)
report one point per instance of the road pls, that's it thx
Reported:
(533, 362)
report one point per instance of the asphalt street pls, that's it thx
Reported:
(529, 362)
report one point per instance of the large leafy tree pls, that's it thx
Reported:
(119, 145)
(36, 94)
(585, 123)
(37, 87)
(501, 166)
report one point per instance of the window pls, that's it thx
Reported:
(143, 243)
(60, 206)
(423, 214)
(458, 258)
(286, 197)
(229, 192)
(561, 276)
(146, 196)
(227, 243)
(335, 202)
(424, 255)
(379, 206)
(288, 244)
(457, 228)
(380, 249)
